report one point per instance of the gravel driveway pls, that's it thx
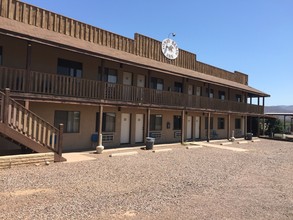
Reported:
(201, 183)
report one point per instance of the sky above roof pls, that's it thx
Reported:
(252, 36)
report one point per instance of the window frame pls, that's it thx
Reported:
(237, 122)
(156, 122)
(211, 123)
(69, 68)
(157, 83)
(105, 122)
(178, 87)
(177, 122)
(65, 121)
(221, 123)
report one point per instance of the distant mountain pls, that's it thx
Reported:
(279, 109)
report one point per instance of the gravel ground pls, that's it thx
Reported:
(203, 183)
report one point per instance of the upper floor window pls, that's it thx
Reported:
(177, 122)
(211, 95)
(1, 56)
(238, 98)
(222, 95)
(70, 120)
(111, 75)
(156, 122)
(157, 83)
(69, 68)
(178, 87)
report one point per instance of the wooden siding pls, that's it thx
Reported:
(141, 45)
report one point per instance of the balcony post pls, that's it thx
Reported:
(28, 67)
(60, 139)
(100, 126)
(183, 126)
(148, 122)
(229, 126)
(209, 127)
(6, 106)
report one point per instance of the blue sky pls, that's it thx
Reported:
(251, 36)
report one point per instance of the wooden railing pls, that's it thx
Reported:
(59, 85)
(28, 124)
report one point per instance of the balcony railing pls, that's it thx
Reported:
(58, 85)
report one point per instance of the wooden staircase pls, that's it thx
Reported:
(22, 126)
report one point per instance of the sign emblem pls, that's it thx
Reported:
(170, 49)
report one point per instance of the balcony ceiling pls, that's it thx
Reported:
(43, 36)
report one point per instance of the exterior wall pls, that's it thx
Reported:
(14, 52)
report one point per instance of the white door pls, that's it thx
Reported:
(197, 123)
(190, 90)
(139, 128)
(198, 91)
(127, 80)
(140, 80)
(125, 128)
(141, 85)
(189, 127)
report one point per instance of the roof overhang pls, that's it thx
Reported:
(43, 36)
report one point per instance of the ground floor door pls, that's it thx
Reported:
(189, 127)
(197, 127)
(125, 128)
(139, 124)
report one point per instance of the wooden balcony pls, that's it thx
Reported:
(37, 83)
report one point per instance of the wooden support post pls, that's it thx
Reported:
(258, 126)
(6, 106)
(28, 67)
(229, 127)
(245, 125)
(60, 139)
(183, 126)
(209, 127)
(100, 126)
(148, 122)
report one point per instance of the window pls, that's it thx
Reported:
(237, 123)
(238, 98)
(222, 95)
(1, 56)
(156, 122)
(210, 92)
(178, 87)
(157, 83)
(177, 122)
(70, 120)
(109, 121)
(221, 123)
(111, 75)
(211, 123)
(69, 68)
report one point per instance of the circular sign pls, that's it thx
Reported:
(170, 49)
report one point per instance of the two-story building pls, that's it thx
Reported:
(94, 81)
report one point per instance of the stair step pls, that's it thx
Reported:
(26, 159)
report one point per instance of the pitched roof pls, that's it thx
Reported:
(44, 36)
